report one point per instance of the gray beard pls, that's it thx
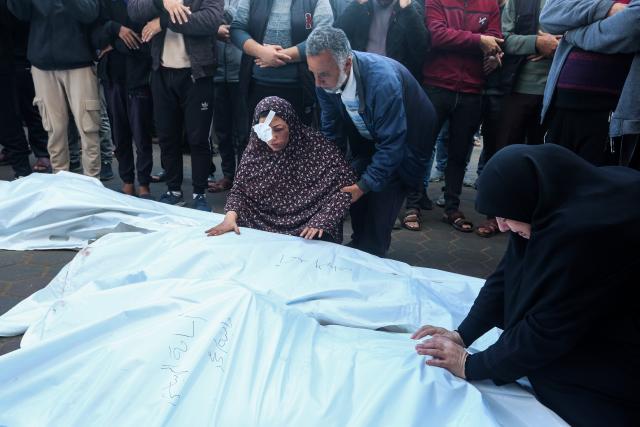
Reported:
(338, 88)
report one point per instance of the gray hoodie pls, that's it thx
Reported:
(585, 25)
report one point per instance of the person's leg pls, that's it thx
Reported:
(74, 146)
(512, 130)
(116, 97)
(442, 142)
(223, 121)
(52, 104)
(240, 129)
(140, 109)
(11, 133)
(463, 124)
(492, 121)
(25, 93)
(198, 112)
(441, 103)
(534, 130)
(81, 86)
(382, 209)
(168, 117)
(586, 133)
(106, 139)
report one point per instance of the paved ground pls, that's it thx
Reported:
(436, 246)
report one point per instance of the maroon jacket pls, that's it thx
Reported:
(455, 61)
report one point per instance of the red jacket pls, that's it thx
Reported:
(455, 61)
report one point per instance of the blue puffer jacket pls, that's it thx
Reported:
(398, 115)
(584, 24)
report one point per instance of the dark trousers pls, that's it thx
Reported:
(521, 120)
(629, 148)
(131, 117)
(231, 126)
(180, 103)
(11, 132)
(492, 123)
(373, 217)
(463, 110)
(25, 93)
(293, 94)
(586, 133)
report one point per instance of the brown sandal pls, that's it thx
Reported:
(411, 220)
(458, 221)
(488, 229)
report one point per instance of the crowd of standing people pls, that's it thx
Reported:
(85, 73)
(328, 108)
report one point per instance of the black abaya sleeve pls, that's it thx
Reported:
(487, 310)
(555, 313)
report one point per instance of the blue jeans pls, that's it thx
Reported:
(439, 153)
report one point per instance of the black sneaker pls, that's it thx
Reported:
(200, 203)
(172, 198)
(106, 173)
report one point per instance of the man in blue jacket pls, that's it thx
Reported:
(377, 105)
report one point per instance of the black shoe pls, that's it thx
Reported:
(106, 173)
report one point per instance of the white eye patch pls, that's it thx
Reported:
(263, 130)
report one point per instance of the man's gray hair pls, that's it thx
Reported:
(331, 39)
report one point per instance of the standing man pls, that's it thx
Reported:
(230, 119)
(528, 55)
(124, 69)
(183, 53)
(591, 97)
(272, 35)
(463, 33)
(392, 28)
(61, 55)
(377, 105)
(11, 133)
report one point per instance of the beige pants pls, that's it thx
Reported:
(56, 93)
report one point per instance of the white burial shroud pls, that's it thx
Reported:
(156, 324)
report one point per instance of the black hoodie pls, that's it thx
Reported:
(566, 298)
(131, 67)
(60, 35)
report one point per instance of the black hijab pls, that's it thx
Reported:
(574, 278)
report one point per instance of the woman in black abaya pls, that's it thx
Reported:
(565, 291)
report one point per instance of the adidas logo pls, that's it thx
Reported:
(204, 106)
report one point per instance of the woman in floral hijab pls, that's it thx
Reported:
(289, 182)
